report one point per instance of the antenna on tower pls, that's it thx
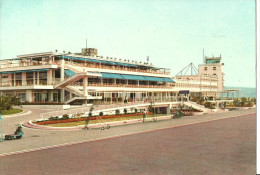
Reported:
(86, 43)
(147, 58)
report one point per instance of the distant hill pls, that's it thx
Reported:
(244, 91)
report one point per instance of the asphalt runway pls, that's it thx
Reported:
(226, 146)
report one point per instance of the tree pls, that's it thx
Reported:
(236, 102)
(132, 109)
(8, 101)
(243, 101)
(150, 108)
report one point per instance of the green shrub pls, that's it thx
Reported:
(65, 116)
(136, 110)
(125, 111)
(209, 105)
(117, 112)
(101, 114)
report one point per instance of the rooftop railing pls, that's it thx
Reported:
(101, 66)
(128, 85)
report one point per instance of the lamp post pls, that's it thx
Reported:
(1, 129)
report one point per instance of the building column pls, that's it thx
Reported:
(85, 85)
(49, 77)
(29, 95)
(50, 95)
(24, 82)
(34, 78)
(14, 80)
(62, 70)
(38, 78)
(62, 94)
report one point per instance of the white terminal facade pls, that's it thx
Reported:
(85, 77)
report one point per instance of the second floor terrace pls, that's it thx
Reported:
(54, 58)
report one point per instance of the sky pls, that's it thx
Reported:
(173, 33)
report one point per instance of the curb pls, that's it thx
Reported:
(30, 124)
(25, 112)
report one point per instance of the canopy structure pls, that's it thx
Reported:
(136, 77)
(20, 71)
(69, 72)
(133, 77)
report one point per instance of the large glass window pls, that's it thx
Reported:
(43, 78)
(212, 61)
(29, 78)
(18, 79)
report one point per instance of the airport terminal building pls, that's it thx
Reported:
(80, 78)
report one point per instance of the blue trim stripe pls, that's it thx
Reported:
(98, 61)
(135, 77)
(20, 71)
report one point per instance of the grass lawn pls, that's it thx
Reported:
(70, 124)
(9, 112)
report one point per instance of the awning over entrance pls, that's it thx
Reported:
(184, 92)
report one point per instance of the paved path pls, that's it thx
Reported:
(224, 146)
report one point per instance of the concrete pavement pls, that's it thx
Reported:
(34, 138)
(217, 145)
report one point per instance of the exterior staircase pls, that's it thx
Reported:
(74, 90)
(74, 78)
(197, 106)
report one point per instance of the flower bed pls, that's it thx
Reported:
(48, 122)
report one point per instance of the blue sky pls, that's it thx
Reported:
(172, 33)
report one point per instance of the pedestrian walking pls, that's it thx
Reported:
(144, 116)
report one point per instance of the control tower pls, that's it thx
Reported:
(213, 67)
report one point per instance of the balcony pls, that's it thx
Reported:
(102, 66)
(127, 85)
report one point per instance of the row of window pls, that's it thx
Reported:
(206, 68)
